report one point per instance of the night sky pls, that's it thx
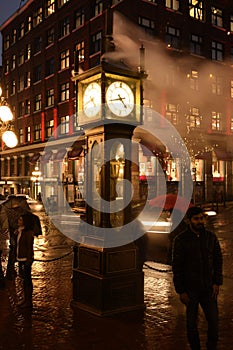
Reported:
(7, 8)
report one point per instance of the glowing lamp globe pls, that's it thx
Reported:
(5, 114)
(9, 138)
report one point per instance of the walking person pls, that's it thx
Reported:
(197, 275)
(25, 256)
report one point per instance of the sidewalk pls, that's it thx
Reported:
(52, 324)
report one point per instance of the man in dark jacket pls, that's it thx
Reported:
(197, 275)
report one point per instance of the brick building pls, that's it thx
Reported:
(189, 56)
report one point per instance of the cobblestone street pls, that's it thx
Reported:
(52, 323)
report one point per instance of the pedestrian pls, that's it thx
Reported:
(25, 256)
(197, 275)
(4, 236)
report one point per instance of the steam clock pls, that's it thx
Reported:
(107, 271)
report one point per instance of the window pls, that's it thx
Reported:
(98, 7)
(13, 62)
(49, 8)
(28, 134)
(7, 90)
(37, 73)
(27, 79)
(49, 127)
(28, 52)
(21, 140)
(64, 92)
(216, 121)
(231, 88)
(79, 54)
(14, 36)
(216, 17)
(64, 59)
(196, 44)
(62, 2)
(96, 42)
(37, 44)
(21, 30)
(216, 85)
(27, 107)
(7, 66)
(37, 16)
(147, 24)
(64, 125)
(38, 102)
(37, 132)
(196, 9)
(21, 108)
(173, 37)
(194, 78)
(21, 57)
(7, 42)
(13, 87)
(193, 118)
(28, 26)
(64, 27)
(50, 97)
(231, 23)
(172, 4)
(21, 82)
(217, 51)
(79, 18)
(172, 113)
(170, 76)
(50, 36)
(49, 66)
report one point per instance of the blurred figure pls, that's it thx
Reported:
(25, 256)
(4, 236)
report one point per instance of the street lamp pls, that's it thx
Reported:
(6, 116)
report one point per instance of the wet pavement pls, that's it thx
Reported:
(53, 324)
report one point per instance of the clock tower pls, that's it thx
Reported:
(107, 273)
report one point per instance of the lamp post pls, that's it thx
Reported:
(6, 116)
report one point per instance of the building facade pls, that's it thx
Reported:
(188, 59)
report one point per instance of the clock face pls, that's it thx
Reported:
(120, 98)
(92, 99)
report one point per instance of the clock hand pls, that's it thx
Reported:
(121, 99)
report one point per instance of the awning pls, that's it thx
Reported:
(34, 158)
(59, 156)
(222, 154)
(45, 158)
(75, 153)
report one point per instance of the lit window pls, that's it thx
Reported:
(64, 92)
(231, 23)
(21, 108)
(28, 134)
(38, 102)
(27, 107)
(216, 17)
(49, 127)
(13, 87)
(21, 30)
(172, 113)
(98, 7)
(7, 66)
(64, 125)
(21, 139)
(50, 97)
(21, 82)
(196, 44)
(21, 57)
(28, 24)
(216, 121)
(64, 59)
(217, 51)
(6, 42)
(194, 118)
(62, 2)
(231, 124)
(196, 9)
(37, 16)
(50, 7)
(172, 4)
(194, 78)
(27, 79)
(216, 85)
(79, 18)
(13, 62)
(28, 52)
(37, 132)
(14, 36)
